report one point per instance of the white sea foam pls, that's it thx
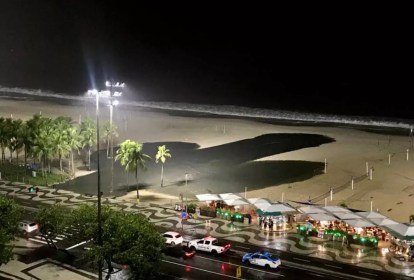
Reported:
(226, 110)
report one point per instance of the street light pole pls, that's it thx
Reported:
(99, 185)
(111, 108)
(112, 103)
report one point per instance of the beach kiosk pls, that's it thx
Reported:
(402, 238)
(274, 217)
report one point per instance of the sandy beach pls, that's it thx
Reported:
(229, 155)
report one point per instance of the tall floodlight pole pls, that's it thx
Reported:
(96, 93)
(112, 103)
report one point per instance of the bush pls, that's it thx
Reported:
(208, 212)
(191, 207)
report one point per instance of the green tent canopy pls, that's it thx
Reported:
(263, 213)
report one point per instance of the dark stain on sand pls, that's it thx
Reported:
(225, 168)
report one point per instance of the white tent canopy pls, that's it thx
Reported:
(311, 209)
(279, 207)
(370, 215)
(336, 209)
(359, 223)
(383, 221)
(259, 200)
(225, 196)
(322, 217)
(346, 216)
(207, 197)
(402, 229)
(235, 202)
(260, 203)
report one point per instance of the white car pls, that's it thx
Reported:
(261, 258)
(28, 227)
(172, 238)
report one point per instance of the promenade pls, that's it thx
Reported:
(165, 216)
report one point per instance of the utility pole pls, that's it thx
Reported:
(96, 94)
(112, 103)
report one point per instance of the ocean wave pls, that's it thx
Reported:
(224, 110)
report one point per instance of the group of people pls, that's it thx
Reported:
(268, 222)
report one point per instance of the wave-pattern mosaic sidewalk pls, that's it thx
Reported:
(169, 218)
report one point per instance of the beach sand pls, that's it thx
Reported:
(391, 189)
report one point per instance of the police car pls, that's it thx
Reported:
(261, 258)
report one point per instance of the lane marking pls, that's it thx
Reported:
(76, 245)
(247, 267)
(242, 247)
(37, 240)
(367, 273)
(333, 266)
(205, 270)
(302, 260)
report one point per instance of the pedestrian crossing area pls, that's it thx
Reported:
(40, 239)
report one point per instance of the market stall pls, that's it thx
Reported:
(317, 224)
(361, 232)
(402, 237)
(275, 217)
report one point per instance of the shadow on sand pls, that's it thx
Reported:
(225, 168)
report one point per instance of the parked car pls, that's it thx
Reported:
(179, 251)
(209, 244)
(28, 227)
(172, 238)
(261, 258)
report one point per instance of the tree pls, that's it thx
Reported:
(109, 132)
(10, 215)
(88, 136)
(60, 139)
(131, 157)
(25, 134)
(53, 221)
(8, 130)
(74, 142)
(3, 138)
(127, 238)
(16, 140)
(43, 143)
(162, 154)
(33, 129)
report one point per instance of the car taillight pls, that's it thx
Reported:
(189, 254)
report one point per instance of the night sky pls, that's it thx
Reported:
(356, 62)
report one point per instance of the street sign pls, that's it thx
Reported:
(184, 215)
(238, 272)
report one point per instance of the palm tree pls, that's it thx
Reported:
(109, 132)
(88, 139)
(131, 157)
(33, 126)
(74, 142)
(162, 154)
(60, 140)
(17, 140)
(3, 138)
(43, 145)
(25, 134)
(9, 134)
